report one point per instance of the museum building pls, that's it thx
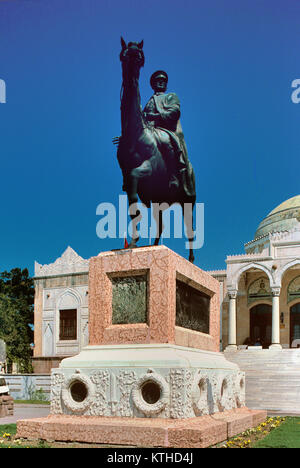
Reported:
(259, 292)
(261, 288)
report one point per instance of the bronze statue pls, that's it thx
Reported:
(151, 150)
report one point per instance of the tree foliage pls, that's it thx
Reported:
(16, 316)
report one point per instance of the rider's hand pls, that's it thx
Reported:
(116, 140)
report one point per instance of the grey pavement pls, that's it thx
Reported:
(22, 411)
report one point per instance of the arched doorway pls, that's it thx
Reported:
(295, 324)
(261, 324)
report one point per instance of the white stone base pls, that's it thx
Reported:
(116, 380)
(232, 347)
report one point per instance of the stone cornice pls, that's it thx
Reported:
(247, 258)
(217, 272)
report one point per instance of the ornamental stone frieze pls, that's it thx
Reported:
(176, 393)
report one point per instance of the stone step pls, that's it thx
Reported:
(272, 379)
(200, 432)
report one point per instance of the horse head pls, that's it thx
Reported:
(132, 56)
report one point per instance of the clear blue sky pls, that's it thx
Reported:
(231, 62)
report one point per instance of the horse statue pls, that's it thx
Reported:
(152, 155)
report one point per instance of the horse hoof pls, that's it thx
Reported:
(132, 245)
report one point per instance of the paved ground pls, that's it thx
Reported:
(26, 412)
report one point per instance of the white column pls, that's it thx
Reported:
(275, 319)
(232, 321)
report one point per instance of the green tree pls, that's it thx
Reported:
(16, 316)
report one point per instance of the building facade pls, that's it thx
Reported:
(261, 288)
(60, 310)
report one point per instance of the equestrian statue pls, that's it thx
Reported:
(152, 153)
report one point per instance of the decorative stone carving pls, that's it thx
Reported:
(160, 390)
(239, 390)
(85, 385)
(232, 294)
(276, 291)
(57, 380)
(85, 331)
(136, 392)
(99, 405)
(214, 393)
(69, 262)
(48, 344)
(224, 386)
(181, 381)
(126, 380)
(200, 394)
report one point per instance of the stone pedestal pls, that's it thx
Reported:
(152, 359)
(162, 272)
(156, 380)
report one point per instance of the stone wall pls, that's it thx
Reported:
(43, 365)
(6, 406)
(28, 386)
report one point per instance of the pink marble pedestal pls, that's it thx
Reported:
(163, 267)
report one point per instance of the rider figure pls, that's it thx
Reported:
(162, 112)
(161, 115)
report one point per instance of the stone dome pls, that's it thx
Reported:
(284, 217)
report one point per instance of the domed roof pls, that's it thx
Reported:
(284, 217)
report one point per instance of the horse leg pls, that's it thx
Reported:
(137, 173)
(188, 215)
(158, 216)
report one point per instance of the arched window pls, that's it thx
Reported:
(68, 324)
(68, 316)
